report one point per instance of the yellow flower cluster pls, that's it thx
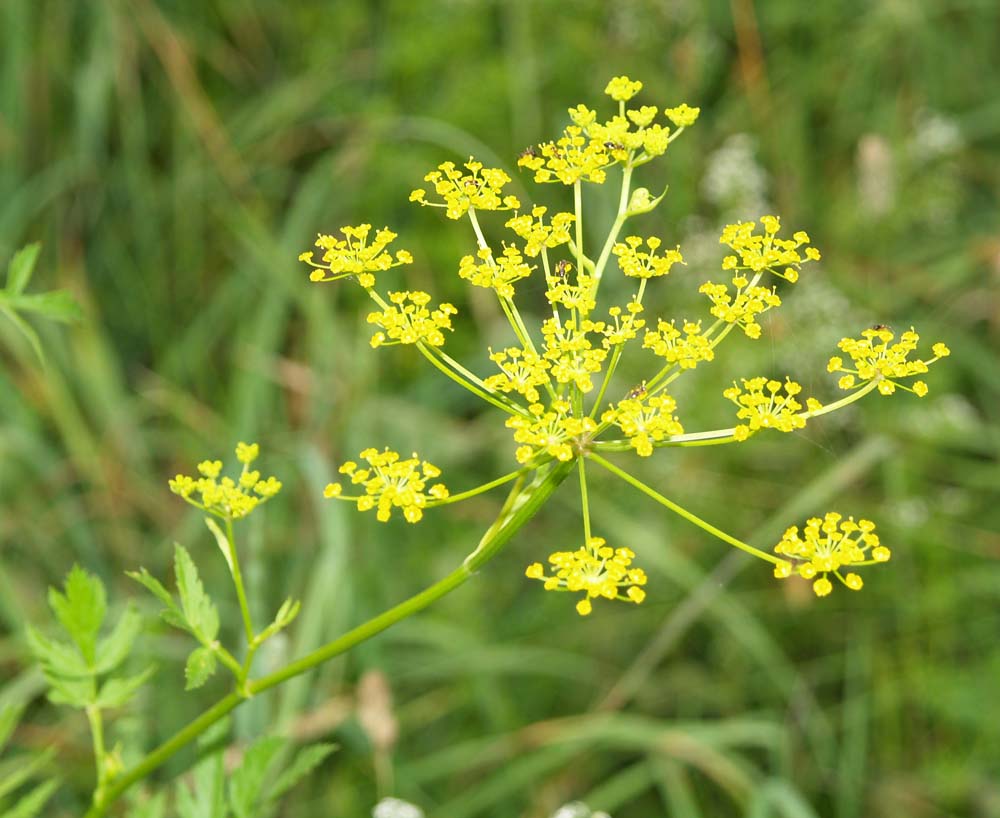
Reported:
(391, 483)
(495, 273)
(354, 256)
(537, 234)
(572, 353)
(521, 371)
(570, 159)
(683, 115)
(686, 350)
(875, 358)
(580, 296)
(766, 252)
(645, 420)
(825, 546)
(595, 569)
(622, 327)
(481, 188)
(638, 264)
(763, 406)
(622, 89)
(410, 322)
(554, 432)
(225, 497)
(744, 308)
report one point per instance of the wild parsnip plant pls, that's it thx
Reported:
(557, 388)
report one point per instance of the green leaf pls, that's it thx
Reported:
(81, 609)
(247, 783)
(199, 611)
(56, 658)
(56, 305)
(285, 616)
(10, 715)
(206, 798)
(116, 692)
(32, 804)
(199, 668)
(72, 692)
(143, 577)
(20, 268)
(171, 614)
(114, 649)
(306, 760)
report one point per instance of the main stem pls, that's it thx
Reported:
(530, 499)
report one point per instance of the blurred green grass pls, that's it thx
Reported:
(175, 157)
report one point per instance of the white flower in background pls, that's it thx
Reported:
(934, 135)
(396, 808)
(734, 180)
(577, 810)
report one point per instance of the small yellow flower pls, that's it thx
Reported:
(756, 252)
(596, 570)
(247, 452)
(570, 349)
(683, 115)
(742, 308)
(686, 350)
(409, 321)
(825, 546)
(537, 234)
(481, 188)
(875, 357)
(354, 255)
(554, 432)
(225, 497)
(639, 264)
(645, 420)
(580, 296)
(622, 89)
(570, 159)
(499, 274)
(521, 371)
(391, 482)
(763, 406)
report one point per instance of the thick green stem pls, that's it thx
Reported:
(520, 509)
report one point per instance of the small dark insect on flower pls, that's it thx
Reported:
(561, 269)
(528, 153)
(637, 391)
(880, 327)
(614, 146)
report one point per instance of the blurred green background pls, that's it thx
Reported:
(175, 157)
